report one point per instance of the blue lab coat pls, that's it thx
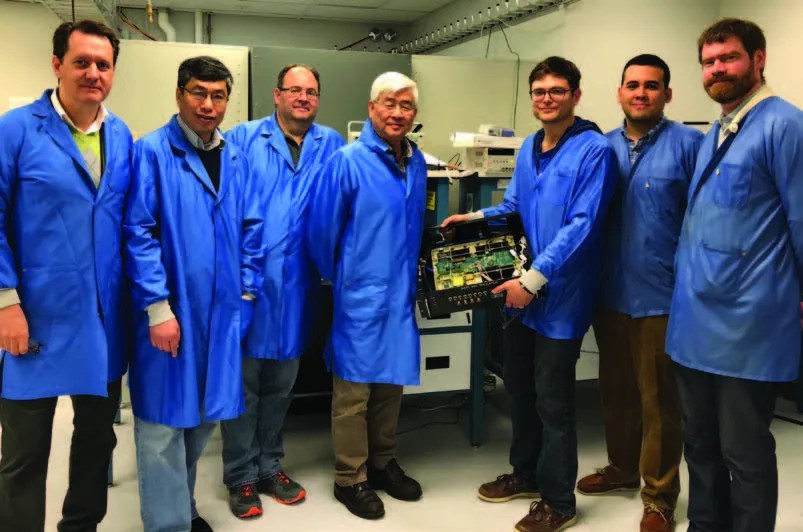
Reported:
(735, 308)
(644, 219)
(364, 233)
(562, 207)
(61, 248)
(199, 249)
(286, 309)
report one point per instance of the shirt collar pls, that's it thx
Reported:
(196, 141)
(94, 127)
(407, 149)
(730, 122)
(650, 134)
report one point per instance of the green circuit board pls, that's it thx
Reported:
(475, 263)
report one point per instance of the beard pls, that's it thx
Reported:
(727, 89)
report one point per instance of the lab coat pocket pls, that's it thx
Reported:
(657, 194)
(51, 291)
(557, 187)
(365, 301)
(732, 185)
(716, 274)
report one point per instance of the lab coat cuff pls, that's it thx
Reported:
(533, 280)
(159, 312)
(8, 297)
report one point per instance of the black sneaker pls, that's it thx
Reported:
(199, 524)
(282, 488)
(244, 501)
(360, 500)
(395, 483)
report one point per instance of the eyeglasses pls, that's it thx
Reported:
(391, 105)
(555, 93)
(200, 95)
(296, 92)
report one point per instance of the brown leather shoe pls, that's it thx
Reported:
(543, 519)
(605, 481)
(506, 488)
(657, 519)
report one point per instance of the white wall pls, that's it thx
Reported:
(25, 32)
(781, 21)
(473, 95)
(600, 36)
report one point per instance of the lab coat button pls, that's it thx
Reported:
(717, 171)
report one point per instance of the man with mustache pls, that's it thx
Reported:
(734, 327)
(64, 307)
(286, 152)
(640, 403)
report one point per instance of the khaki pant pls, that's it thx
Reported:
(364, 422)
(640, 404)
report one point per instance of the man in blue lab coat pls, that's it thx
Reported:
(734, 327)
(64, 315)
(640, 403)
(193, 229)
(563, 179)
(365, 234)
(286, 152)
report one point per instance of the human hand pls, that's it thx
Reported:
(517, 296)
(166, 336)
(13, 330)
(455, 218)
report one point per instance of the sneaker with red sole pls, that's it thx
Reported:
(282, 488)
(244, 501)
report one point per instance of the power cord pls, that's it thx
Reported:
(454, 406)
(518, 69)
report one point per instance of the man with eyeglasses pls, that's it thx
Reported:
(64, 308)
(194, 252)
(640, 402)
(564, 177)
(286, 152)
(364, 234)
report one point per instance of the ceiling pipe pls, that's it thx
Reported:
(163, 20)
(199, 27)
(503, 12)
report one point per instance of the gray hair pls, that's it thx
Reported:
(393, 82)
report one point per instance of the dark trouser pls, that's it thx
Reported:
(27, 432)
(540, 378)
(733, 475)
(252, 443)
(364, 422)
(640, 404)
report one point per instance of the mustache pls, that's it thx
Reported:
(722, 77)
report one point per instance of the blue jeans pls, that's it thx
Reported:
(539, 375)
(730, 451)
(252, 443)
(166, 462)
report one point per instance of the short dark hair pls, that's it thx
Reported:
(648, 60)
(557, 66)
(61, 37)
(750, 35)
(204, 68)
(286, 68)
